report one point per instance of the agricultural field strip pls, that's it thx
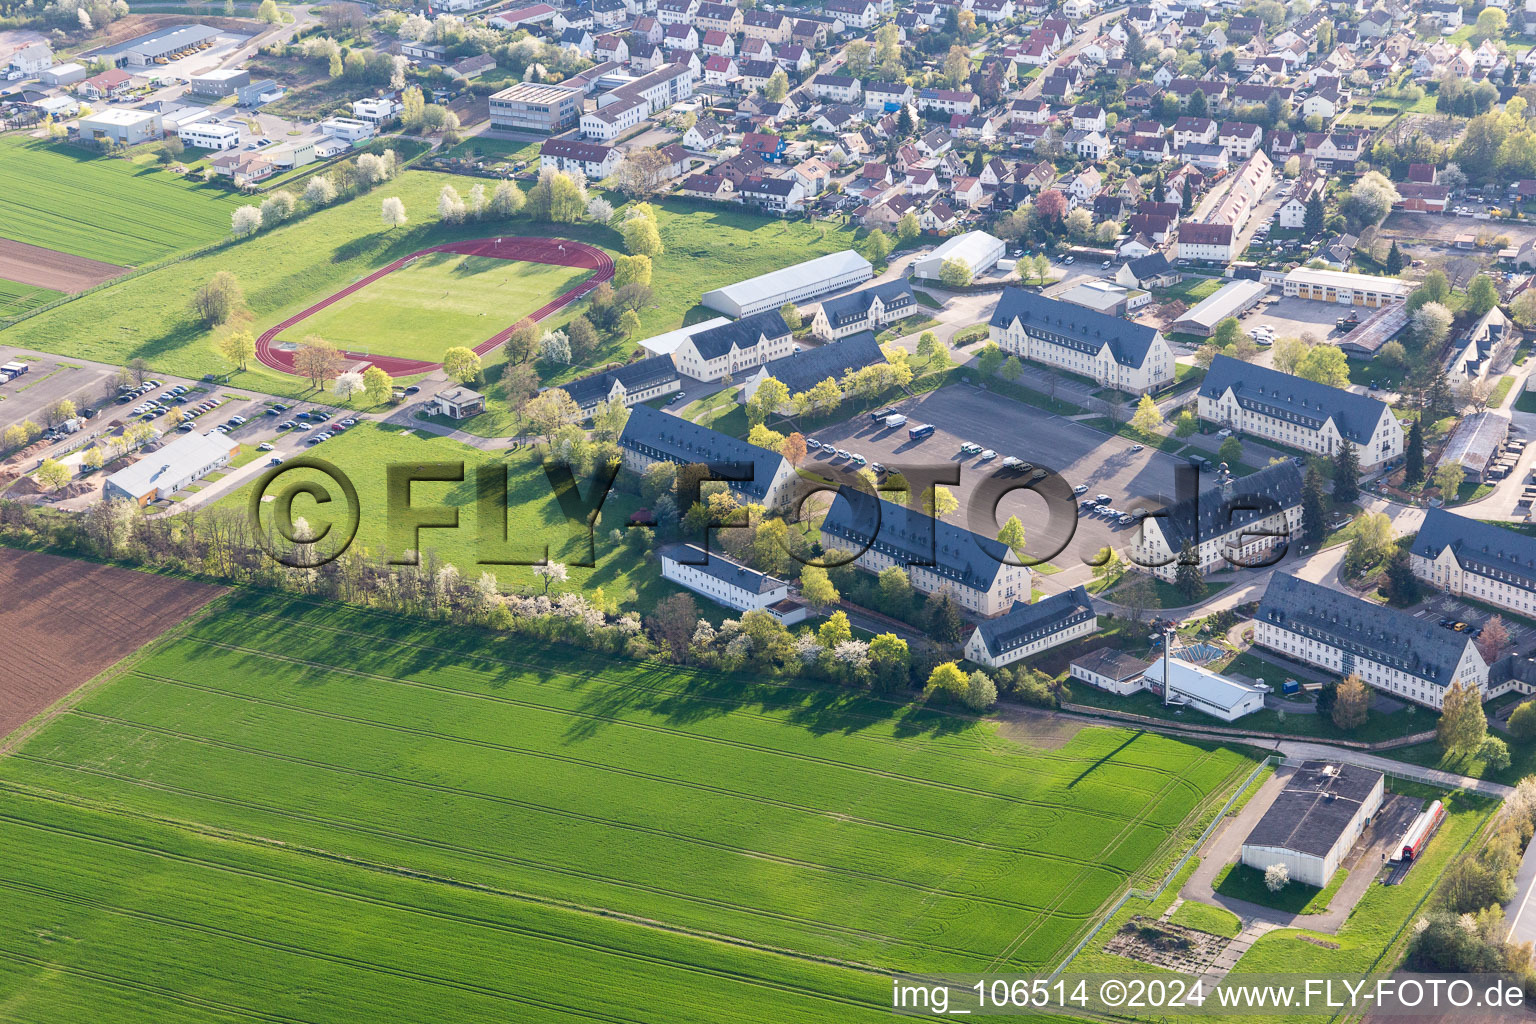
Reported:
(185, 924)
(476, 921)
(540, 865)
(1053, 910)
(737, 705)
(680, 837)
(1176, 778)
(549, 808)
(529, 863)
(109, 210)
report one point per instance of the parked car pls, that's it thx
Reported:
(1080, 489)
(988, 455)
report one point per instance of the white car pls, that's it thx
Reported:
(988, 454)
(843, 454)
(1224, 432)
(1080, 489)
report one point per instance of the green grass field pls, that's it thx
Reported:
(1205, 918)
(118, 211)
(287, 269)
(435, 302)
(16, 297)
(309, 812)
(534, 515)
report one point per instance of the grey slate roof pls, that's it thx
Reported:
(731, 573)
(910, 537)
(1226, 507)
(1294, 399)
(1355, 627)
(1025, 623)
(1154, 265)
(1074, 326)
(847, 308)
(637, 376)
(658, 435)
(1484, 548)
(744, 333)
(804, 368)
(1312, 812)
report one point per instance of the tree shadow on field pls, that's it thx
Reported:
(683, 696)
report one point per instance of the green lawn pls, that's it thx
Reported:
(1241, 882)
(1190, 290)
(16, 297)
(436, 302)
(304, 811)
(286, 269)
(719, 411)
(1204, 918)
(117, 211)
(1500, 392)
(534, 516)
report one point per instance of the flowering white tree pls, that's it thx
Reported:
(319, 191)
(1276, 877)
(551, 572)
(245, 221)
(394, 212)
(555, 347)
(449, 206)
(347, 384)
(599, 210)
(85, 19)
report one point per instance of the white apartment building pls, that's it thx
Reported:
(1114, 352)
(1239, 523)
(1409, 658)
(1482, 561)
(727, 582)
(1031, 628)
(1294, 411)
(735, 347)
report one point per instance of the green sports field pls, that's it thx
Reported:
(307, 812)
(117, 211)
(435, 302)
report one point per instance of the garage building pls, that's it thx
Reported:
(1232, 299)
(159, 474)
(976, 249)
(1344, 288)
(797, 284)
(1315, 820)
(150, 48)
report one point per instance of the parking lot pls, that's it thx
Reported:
(1078, 454)
(48, 379)
(1301, 318)
(1439, 607)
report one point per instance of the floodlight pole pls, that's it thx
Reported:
(1167, 663)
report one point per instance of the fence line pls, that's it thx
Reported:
(1272, 759)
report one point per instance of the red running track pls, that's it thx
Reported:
(558, 252)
